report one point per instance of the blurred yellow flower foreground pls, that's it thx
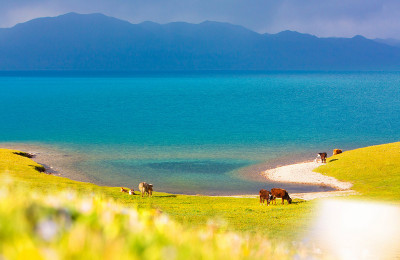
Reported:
(67, 225)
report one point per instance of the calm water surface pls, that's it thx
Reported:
(198, 133)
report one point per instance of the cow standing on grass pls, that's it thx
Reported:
(146, 188)
(280, 193)
(264, 195)
(337, 151)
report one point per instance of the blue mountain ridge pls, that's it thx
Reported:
(97, 42)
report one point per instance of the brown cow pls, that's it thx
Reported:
(280, 193)
(323, 157)
(264, 195)
(124, 190)
(337, 151)
(146, 188)
(150, 190)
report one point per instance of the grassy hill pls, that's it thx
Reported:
(374, 170)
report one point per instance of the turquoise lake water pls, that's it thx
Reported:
(198, 133)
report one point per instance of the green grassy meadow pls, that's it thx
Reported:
(29, 197)
(70, 225)
(239, 214)
(374, 171)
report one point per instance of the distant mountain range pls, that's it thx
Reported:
(390, 41)
(98, 42)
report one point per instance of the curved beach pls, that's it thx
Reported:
(73, 165)
(304, 173)
(61, 164)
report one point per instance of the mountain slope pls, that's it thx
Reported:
(97, 42)
(389, 41)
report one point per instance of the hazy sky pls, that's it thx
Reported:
(371, 18)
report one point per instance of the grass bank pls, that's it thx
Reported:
(374, 171)
(45, 216)
(69, 225)
(239, 214)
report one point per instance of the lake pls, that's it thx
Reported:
(198, 133)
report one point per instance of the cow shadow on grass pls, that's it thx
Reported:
(156, 196)
(332, 160)
(298, 201)
(165, 196)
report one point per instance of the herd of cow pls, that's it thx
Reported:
(144, 188)
(265, 195)
(322, 156)
(270, 196)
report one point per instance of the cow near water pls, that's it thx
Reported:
(146, 188)
(264, 195)
(280, 193)
(323, 157)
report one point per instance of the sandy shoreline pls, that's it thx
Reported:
(303, 173)
(59, 163)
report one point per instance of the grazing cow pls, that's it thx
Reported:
(146, 188)
(323, 157)
(131, 192)
(337, 151)
(124, 190)
(264, 195)
(280, 193)
(150, 191)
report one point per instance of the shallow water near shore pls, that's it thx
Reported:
(198, 133)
